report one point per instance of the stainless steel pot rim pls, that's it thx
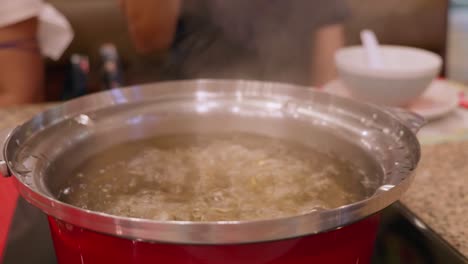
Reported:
(224, 232)
(210, 233)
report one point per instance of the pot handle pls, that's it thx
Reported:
(4, 136)
(409, 119)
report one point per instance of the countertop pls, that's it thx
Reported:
(438, 196)
(439, 193)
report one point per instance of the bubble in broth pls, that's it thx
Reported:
(212, 178)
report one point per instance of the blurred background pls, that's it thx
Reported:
(436, 25)
(458, 41)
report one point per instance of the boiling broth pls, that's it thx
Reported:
(212, 178)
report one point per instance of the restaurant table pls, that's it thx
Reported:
(438, 195)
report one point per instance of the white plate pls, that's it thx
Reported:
(440, 98)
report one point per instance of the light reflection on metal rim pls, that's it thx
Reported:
(245, 99)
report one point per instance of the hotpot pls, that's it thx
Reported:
(380, 141)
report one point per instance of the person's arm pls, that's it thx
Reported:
(152, 23)
(327, 40)
(22, 67)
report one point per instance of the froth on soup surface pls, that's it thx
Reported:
(212, 178)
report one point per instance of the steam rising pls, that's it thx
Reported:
(268, 40)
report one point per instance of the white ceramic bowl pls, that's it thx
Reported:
(406, 74)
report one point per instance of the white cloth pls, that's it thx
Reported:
(54, 32)
(13, 11)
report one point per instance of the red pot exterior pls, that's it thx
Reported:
(351, 244)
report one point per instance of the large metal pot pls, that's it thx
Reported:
(380, 141)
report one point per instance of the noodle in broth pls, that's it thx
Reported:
(212, 178)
